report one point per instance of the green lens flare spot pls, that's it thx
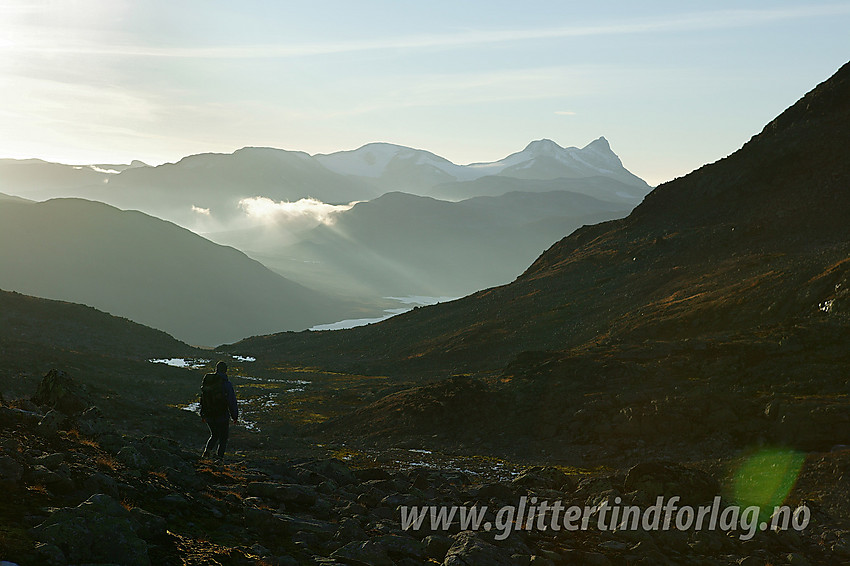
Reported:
(767, 477)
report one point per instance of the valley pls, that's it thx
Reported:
(693, 348)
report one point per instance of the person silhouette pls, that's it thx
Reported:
(218, 407)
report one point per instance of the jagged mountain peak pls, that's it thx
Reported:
(600, 144)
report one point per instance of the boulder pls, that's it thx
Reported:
(58, 390)
(437, 546)
(469, 550)
(99, 530)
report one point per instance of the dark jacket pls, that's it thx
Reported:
(229, 395)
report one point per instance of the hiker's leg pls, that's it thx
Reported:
(222, 441)
(213, 439)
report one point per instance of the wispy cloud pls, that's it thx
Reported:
(470, 88)
(705, 20)
(266, 209)
(565, 113)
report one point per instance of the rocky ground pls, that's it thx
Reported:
(81, 492)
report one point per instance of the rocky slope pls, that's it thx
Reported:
(83, 492)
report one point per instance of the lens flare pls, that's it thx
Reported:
(766, 478)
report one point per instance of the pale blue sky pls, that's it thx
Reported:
(671, 85)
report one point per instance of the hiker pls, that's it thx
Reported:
(218, 406)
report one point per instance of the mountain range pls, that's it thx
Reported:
(759, 238)
(217, 182)
(694, 350)
(133, 265)
(491, 221)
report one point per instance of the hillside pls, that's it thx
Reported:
(759, 238)
(41, 323)
(151, 271)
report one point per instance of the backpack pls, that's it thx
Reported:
(213, 399)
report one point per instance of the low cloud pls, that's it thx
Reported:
(565, 113)
(305, 209)
(199, 210)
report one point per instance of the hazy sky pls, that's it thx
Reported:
(671, 84)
